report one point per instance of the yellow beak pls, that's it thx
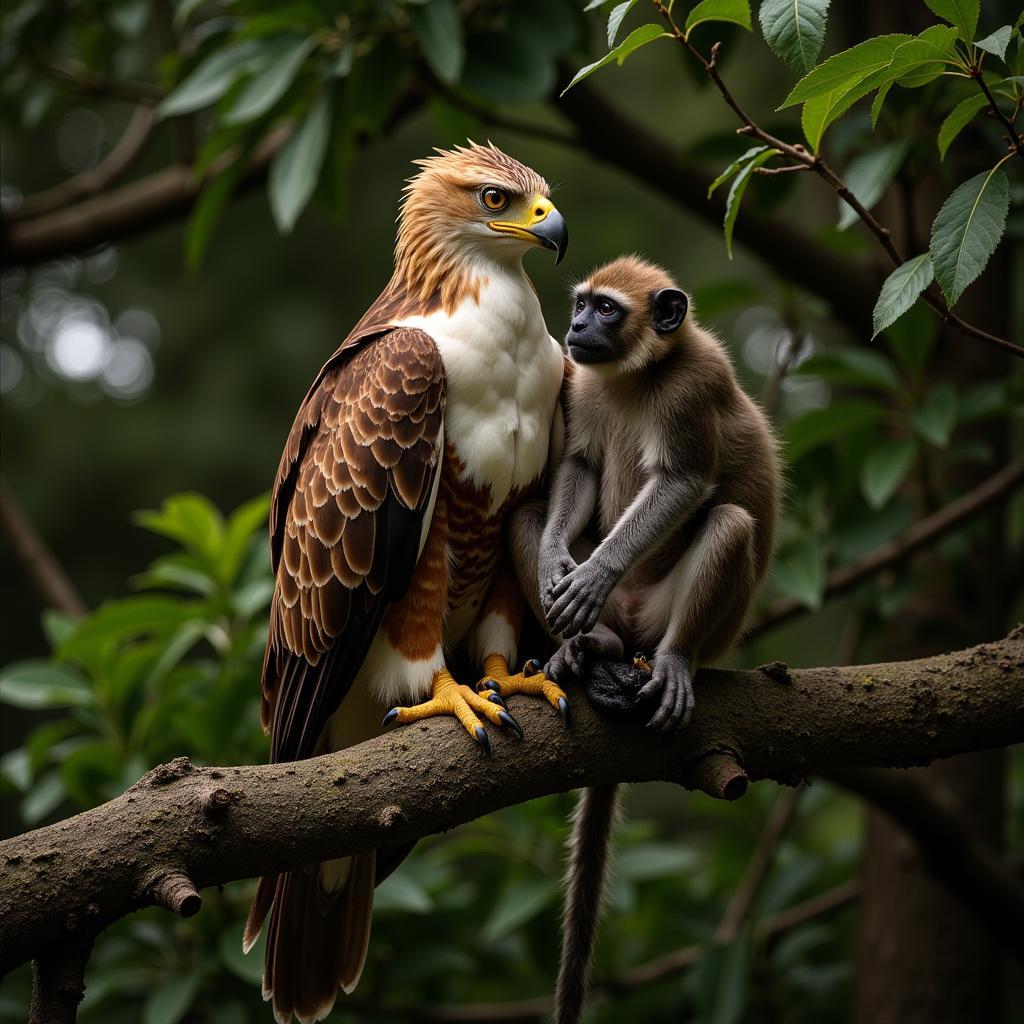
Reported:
(543, 225)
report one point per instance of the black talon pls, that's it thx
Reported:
(531, 667)
(490, 684)
(565, 711)
(482, 739)
(389, 717)
(510, 723)
(496, 698)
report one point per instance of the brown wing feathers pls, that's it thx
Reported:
(351, 492)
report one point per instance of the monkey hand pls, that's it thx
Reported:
(579, 597)
(554, 563)
(575, 656)
(671, 679)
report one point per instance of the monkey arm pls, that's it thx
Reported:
(572, 503)
(662, 504)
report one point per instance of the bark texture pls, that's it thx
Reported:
(213, 825)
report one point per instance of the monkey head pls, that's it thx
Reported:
(625, 316)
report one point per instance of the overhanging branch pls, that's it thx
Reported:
(215, 825)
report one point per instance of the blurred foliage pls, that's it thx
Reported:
(126, 379)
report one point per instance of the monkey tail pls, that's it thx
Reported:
(589, 846)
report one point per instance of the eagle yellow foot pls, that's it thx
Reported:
(530, 681)
(448, 697)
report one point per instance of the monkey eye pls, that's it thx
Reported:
(605, 308)
(579, 305)
(494, 199)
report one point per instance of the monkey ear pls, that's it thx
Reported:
(668, 309)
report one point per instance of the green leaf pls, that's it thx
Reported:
(935, 418)
(900, 291)
(207, 212)
(190, 519)
(819, 426)
(922, 59)
(961, 14)
(734, 167)
(401, 892)
(795, 30)
(967, 230)
(800, 572)
(294, 173)
(869, 175)
(213, 78)
(641, 862)
(247, 966)
(739, 186)
(44, 684)
(241, 527)
(819, 112)
(997, 42)
(877, 103)
(958, 119)
(885, 469)
(856, 366)
(170, 1001)
(912, 337)
(618, 12)
(519, 902)
(269, 84)
(438, 31)
(846, 68)
(735, 11)
(43, 798)
(638, 37)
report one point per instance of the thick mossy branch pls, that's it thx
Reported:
(207, 826)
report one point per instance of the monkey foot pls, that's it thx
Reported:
(531, 681)
(448, 697)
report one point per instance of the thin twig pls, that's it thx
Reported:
(84, 80)
(52, 583)
(1012, 137)
(815, 163)
(922, 534)
(774, 831)
(93, 181)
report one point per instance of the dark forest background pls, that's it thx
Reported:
(169, 361)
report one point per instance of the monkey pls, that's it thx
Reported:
(659, 526)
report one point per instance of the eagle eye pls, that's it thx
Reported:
(494, 199)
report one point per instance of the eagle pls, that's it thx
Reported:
(387, 521)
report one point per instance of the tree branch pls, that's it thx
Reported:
(96, 179)
(146, 203)
(41, 566)
(215, 825)
(923, 534)
(58, 982)
(799, 155)
(1011, 132)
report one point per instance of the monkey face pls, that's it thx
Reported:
(595, 332)
(608, 328)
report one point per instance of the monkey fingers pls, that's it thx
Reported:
(531, 681)
(672, 677)
(575, 609)
(449, 697)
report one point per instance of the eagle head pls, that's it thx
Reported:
(476, 201)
